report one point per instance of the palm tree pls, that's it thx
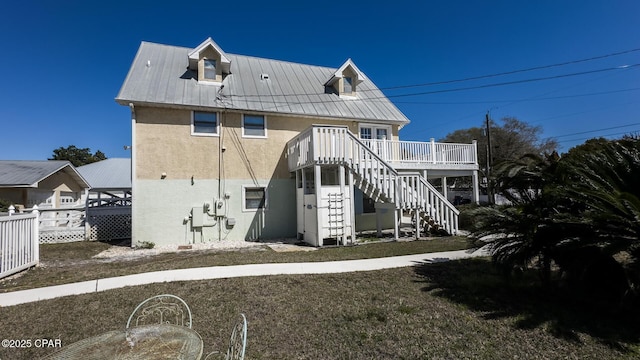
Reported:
(581, 212)
(605, 187)
(527, 230)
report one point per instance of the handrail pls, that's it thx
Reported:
(336, 145)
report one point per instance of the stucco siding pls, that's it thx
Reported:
(177, 171)
(162, 211)
(164, 144)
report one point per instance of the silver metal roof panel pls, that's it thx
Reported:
(159, 75)
(27, 173)
(114, 173)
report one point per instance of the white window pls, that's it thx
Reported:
(209, 69)
(254, 126)
(347, 85)
(254, 198)
(67, 198)
(204, 123)
(374, 132)
(365, 133)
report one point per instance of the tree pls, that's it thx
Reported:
(510, 141)
(528, 230)
(580, 211)
(76, 156)
(604, 187)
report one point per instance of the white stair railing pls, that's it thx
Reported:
(418, 193)
(334, 145)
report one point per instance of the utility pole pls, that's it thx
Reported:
(489, 184)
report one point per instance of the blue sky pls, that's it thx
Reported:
(63, 62)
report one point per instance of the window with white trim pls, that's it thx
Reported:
(365, 133)
(254, 198)
(68, 198)
(204, 123)
(373, 132)
(254, 126)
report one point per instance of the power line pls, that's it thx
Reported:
(516, 100)
(591, 131)
(512, 72)
(516, 81)
(480, 76)
(442, 90)
(605, 135)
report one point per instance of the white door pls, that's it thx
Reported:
(375, 137)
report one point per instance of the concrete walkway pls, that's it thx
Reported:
(222, 272)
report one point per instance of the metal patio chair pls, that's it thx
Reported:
(237, 342)
(161, 309)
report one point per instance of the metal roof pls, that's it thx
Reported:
(109, 174)
(159, 75)
(27, 173)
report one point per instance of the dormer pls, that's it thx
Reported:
(209, 62)
(346, 79)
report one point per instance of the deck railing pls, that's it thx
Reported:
(425, 152)
(301, 152)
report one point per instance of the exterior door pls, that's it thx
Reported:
(375, 137)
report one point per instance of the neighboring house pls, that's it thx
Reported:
(230, 147)
(108, 201)
(47, 183)
(109, 181)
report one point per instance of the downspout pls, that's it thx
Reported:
(219, 219)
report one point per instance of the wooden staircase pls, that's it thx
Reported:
(332, 145)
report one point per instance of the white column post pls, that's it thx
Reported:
(476, 187)
(344, 202)
(36, 234)
(134, 149)
(417, 215)
(396, 225)
(352, 207)
(444, 187)
(433, 150)
(318, 186)
(12, 209)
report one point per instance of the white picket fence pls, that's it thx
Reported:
(19, 242)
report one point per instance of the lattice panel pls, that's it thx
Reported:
(62, 235)
(109, 226)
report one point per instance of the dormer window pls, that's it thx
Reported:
(345, 80)
(209, 62)
(347, 86)
(209, 69)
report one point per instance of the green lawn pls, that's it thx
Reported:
(453, 310)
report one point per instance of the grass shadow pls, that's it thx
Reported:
(477, 285)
